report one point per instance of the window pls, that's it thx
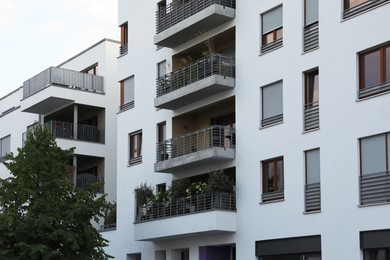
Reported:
(374, 169)
(312, 189)
(161, 69)
(135, 147)
(272, 29)
(127, 93)
(161, 132)
(272, 104)
(124, 39)
(374, 71)
(292, 248)
(163, 147)
(311, 35)
(311, 100)
(5, 147)
(273, 181)
(354, 7)
(93, 70)
(161, 188)
(375, 244)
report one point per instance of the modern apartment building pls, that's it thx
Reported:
(288, 99)
(75, 101)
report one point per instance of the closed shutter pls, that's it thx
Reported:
(373, 154)
(128, 90)
(272, 100)
(313, 166)
(272, 20)
(311, 9)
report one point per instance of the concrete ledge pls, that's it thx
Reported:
(194, 159)
(210, 222)
(204, 20)
(194, 92)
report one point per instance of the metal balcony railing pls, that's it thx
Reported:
(123, 49)
(311, 37)
(64, 78)
(313, 196)
(274, 195)
(184, 206)
(215, 64)
(374, 188)
(84, 179)
(180, 10)
(312, 116)
(65, 130)
(214, 136)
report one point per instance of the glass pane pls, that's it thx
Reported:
(268, 38)
(373, 154)
(353, 3)
(387, 64)
(272, 19)
(312, 86)
(269, 177)
(279, 168)
(372, 69)
(279, 34)
(161, 69)
(376, 254)
(272, 100)
(5, 146)
(311, 9)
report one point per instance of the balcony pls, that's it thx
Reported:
(374, 188)
(182, 20)
(200, 79)
(203, 146)
(63, 78)
(66, 130)
(213, 212)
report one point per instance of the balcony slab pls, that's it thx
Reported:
(194, 92)
(211, 222)
(204, 20)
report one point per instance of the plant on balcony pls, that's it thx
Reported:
(196, 188)
(178, 188)
(218, 181)
(110, 215)
(144, 194)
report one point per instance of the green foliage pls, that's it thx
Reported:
(196, 188)
(219, 182)
(110, 214)
(178, 188)
(144, 194)
(42, 214)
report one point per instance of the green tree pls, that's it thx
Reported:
(42, 214)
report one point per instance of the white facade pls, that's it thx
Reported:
(264, 214)
(78, 107)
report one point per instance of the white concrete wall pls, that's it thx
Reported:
(343, 120)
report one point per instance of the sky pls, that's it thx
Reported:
(37, 34)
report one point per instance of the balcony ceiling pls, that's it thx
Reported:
(48, 105)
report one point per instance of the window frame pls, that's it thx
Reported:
(92, 70)
(275, 119)
(274, 162)
(276, 34)
(305, 15)
(387, 158)
(308, 74)
(123, 49)
(2, 154)
(135, 139)
(347, 4)
(130, 104)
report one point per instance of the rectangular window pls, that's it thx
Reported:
(311, 108)
(354, 7)
(375, 244)
(312, 189)
(124, 39)
(311, 26)
(353, 3)
(311, 12)
(127, 93)
(135, 147)
(374, 169)
(5, 146)
(374, 71)
(161, 69)
(272, 29)
(273, 179)
(272, 104)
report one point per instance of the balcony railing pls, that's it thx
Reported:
(64, 78)
(363, 7)
(184, 206)
(215, 64)
(313, 196)
(214, 136)
(270, 196)
(123, 49)
(180, 10)
(66, 130)
(374, 188)
(84, 179)
(312, 116)
(374, 90)
(310, 37)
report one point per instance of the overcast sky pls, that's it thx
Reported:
(37, 34)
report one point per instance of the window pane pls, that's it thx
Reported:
(353, 3)
(269, 176)
(280, 180)
(313, 166)
(5, 146)
(312, 86)
(373, 154)
(311, 8)
(161, 67)
(372, 69)
(272, 20)
(128, 90)
(387, 64)
(272, 100)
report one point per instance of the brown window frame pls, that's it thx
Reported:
(347, 4)
(274, 34)
(383, 65)
(124, 33)
(161, 129)
(135, 137)
(274, 161)
(308, 75)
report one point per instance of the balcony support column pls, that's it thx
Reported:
(74, 175)
(194, 253)
(75, 120)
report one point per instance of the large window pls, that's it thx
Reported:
(124, 38)
(127, 93)
(273, 179)
(135, 147)
(375, 244)
(374, 71)
(312, 189)
(311, 31)
(272, 29)
(272, 103)
(311, 100)
(5, 146)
